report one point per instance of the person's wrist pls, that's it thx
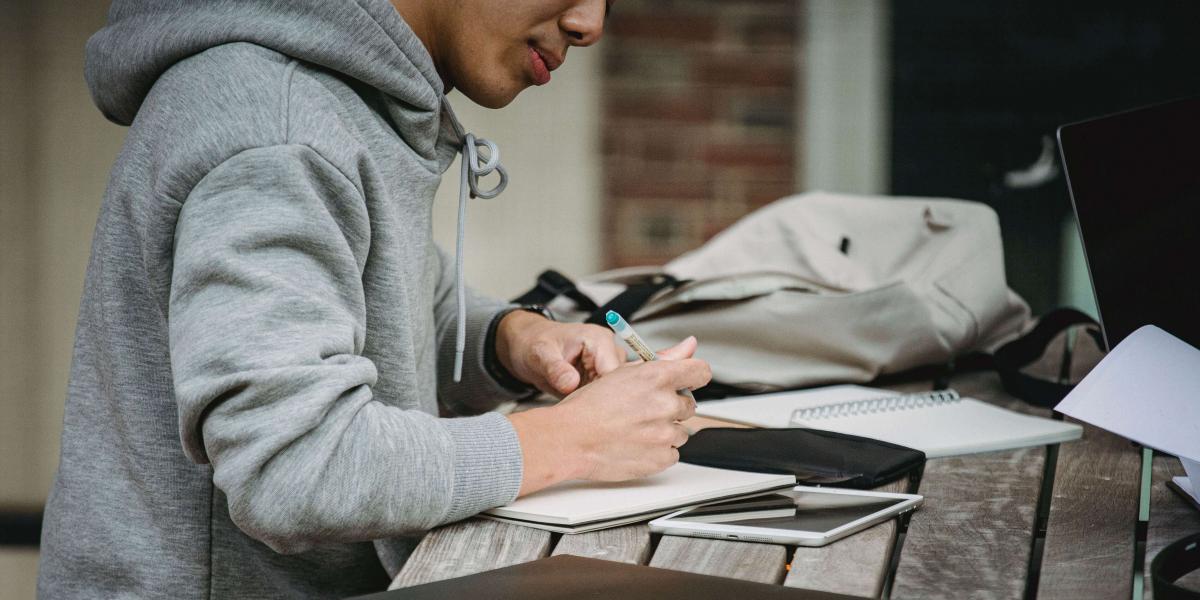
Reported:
(576, 460)
(508, 332)
(547, 449)
(495, 368)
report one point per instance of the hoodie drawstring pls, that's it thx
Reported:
(468, 183)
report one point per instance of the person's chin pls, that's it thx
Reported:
(494, 95)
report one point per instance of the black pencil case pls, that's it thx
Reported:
(815, 457)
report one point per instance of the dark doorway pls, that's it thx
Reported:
(979, 88)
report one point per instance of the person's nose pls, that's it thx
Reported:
(584, 23)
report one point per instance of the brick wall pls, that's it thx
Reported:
(699, 120)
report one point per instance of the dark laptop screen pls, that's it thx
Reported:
(1135, 182)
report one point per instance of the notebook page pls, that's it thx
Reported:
(964, 427)
(775, 410)
(681, 484)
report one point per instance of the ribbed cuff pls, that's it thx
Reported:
(487, 464)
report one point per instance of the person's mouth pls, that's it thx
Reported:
(542, 63)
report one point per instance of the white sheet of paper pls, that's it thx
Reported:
(1148, 390)
(1192, 468)
(1183, 483)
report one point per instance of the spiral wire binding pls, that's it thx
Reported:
(874, 405)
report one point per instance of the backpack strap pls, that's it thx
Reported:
(1010, 358)
(552, 284)
(634, 297)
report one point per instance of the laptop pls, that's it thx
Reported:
(1134, 179)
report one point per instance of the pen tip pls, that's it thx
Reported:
(612, 317)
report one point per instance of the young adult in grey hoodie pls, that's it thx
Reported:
(263, 288)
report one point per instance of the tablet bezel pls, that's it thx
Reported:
(749, 533)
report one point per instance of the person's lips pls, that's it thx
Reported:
(543, 63)
(551, 59)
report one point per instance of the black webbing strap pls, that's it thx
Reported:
(1021, 352)
(552, 284)
(634, 297)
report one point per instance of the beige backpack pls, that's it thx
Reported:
(819, 288)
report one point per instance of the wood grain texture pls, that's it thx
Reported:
(629, 544)
(855, 565)
(763, 563)
(1171, 518)
(469, 547)
(972, 537)
(1090, 533)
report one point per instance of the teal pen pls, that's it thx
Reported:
(625, 331)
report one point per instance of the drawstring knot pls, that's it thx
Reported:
(474, 170)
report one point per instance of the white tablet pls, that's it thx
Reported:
(801, 516)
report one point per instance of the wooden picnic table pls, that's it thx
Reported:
(1058, 521)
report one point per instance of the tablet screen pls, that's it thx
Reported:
(790, 509)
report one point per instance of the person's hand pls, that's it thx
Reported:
(556, 358)
(624, 425)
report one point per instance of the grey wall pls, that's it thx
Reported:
(845, 100)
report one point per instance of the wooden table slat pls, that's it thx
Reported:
(763, 563)
(1089, 549)
(972, 537)
(855, 565)
(470, 547)
(1171, 518)
(629, 544)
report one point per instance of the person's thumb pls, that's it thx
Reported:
(562, 377)
(684, 349)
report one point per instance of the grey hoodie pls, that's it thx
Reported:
(267, 329)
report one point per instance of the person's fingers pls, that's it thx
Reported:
(681, 436)
(558, 373)
(684, 349)
(606, 354)
(587, 361)
(688, 373)
(687, 408)
(563, 377)
(671, 457)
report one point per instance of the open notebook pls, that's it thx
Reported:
(938, 423)
(581, 506)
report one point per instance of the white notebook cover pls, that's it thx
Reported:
(581, 502)
(967, 426)
(586, 527)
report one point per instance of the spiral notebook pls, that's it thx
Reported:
(937, 423)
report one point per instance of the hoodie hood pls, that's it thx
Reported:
(366, 40)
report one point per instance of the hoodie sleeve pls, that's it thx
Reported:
(267, 324)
